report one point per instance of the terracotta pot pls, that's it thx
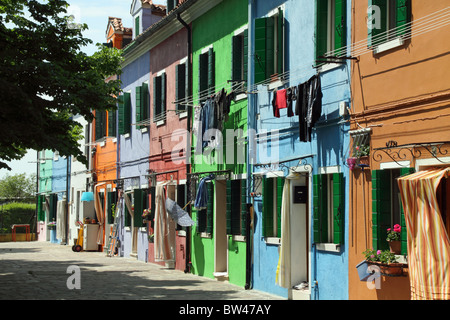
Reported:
(364, 161)
(392, 269)
(395, 246)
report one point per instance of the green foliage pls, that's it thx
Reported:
(18, 186)
(15, 213)
(45, 78)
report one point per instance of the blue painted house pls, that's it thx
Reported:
(134, 140)
(299, 83)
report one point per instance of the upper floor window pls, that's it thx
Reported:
(181, 86)
(331, 28)
(207, 72)
(142, 104)
(159, 97)
(387, 20)
(269, 46)
(239, 58)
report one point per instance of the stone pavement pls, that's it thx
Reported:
(43, 270)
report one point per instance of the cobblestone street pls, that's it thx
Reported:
(39, 270)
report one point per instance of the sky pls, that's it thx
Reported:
(95, 14)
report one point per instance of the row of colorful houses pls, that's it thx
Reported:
(282, 128)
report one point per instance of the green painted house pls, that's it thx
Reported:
(219, 69)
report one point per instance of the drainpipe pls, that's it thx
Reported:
(188, 128)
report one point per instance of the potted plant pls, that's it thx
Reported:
(351, 161)
(151, 238)
(146, 215)
(362, 152)
(385, 260)
(393, 237)
(51, 225)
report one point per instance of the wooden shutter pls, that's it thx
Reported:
(152, 205)
(98, 125)
(111, 123)
(338, 208)
(280, 41)
(156, 96)
(267, 201)
(381, 208)
(203, 73)
(211, 71)
(137, 26)
(280, 186)
(260, 59)
(403, 233)
(121, 114)
(127, 112)
(229, 204)
(180, 85)
(245, 64)
(210, 208)
(340, 21)
(243, 196)
(270, 46)
(138, 106)
(236, 58)
(235, 207)
(403, 16)
(320, 208)
(378, 35)
(321, 28)
(163, 95)
(138, 208)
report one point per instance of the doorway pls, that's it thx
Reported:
(220, 231)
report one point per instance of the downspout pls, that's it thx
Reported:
(67, 197)
(250, 146)
(188, 128)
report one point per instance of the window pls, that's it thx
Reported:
(387, 20)
(140, 197)
(111, 199)
(330, 28)
(328, 208)
(239, 57)
(142, 104)
(269, 46)
(100, 124)
(137, 26)
(206, 73)
(387, 208)
(205, 216)
(181, 86)
(112, 123)
(236, 207)
(272, 196)
(159, 97)
(125, 113)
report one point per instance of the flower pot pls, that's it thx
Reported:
(395, 246)
(351, 162)
(364, 161)
(392, 269)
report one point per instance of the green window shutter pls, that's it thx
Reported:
(152, 205)
(138, 208)
(163, 94)
(320, 205)
(236, 58)
(378, 35)
(260, 50)
(127, 217)
(403, 233)
(280, 186)
(138, 106)
(137, 26)
(127, 112)
(321, 28)
(245, 63)
(235, 207)
(155, 96)
(229, 206)
(381, 208)
(243, 199)
(121, 114)
(98, 125)
(210, 208)
(111, 123)
(267, 213)
(338, 208)
(403, 16)
(180, 85)
(340, 34)
(41, 211)
(111, 203)
(145, 98)
(270, 47)
(280, 41)
(203, 73)
(211, 71)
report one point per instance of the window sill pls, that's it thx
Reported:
(272, 240)
(160, 122)
(126, 135)
(238, 238)
(181, 233)
(330, 247)
(328, 67)
(144, 130)
(392, 44)
(205, 235)
(183, 115)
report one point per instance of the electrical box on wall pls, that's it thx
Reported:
(343, 108)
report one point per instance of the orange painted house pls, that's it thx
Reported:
(104, 131)
(401, 110)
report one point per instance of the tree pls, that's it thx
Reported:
(18, 186)
(45, 78)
